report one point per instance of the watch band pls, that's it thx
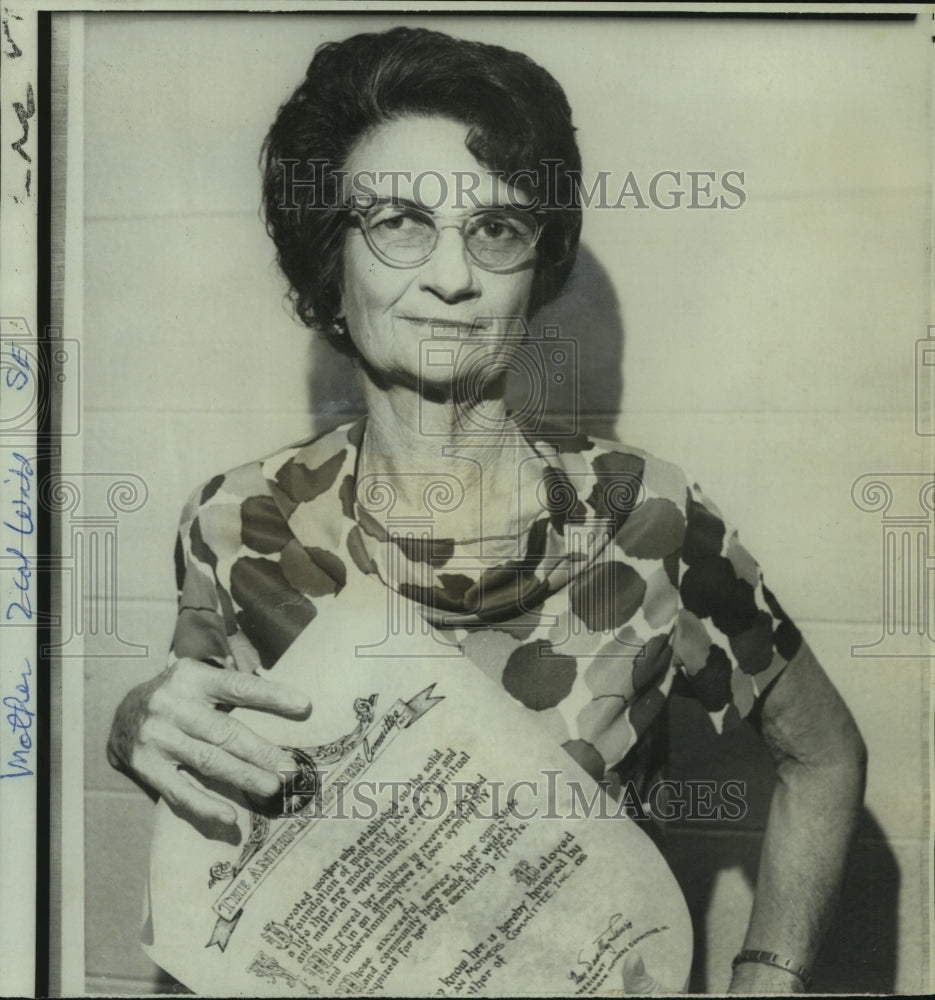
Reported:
(777, 961)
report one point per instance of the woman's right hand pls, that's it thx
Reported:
(180, 720)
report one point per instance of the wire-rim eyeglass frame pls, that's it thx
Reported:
(369, 216)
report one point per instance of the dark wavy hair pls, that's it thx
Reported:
(517, 116)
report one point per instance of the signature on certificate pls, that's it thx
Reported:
(606, 949)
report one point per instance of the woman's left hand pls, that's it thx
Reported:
(638, 982)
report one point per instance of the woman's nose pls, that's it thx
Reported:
(449, 273)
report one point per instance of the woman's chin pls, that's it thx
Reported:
(437, 384)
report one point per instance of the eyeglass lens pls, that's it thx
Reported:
(495, 238)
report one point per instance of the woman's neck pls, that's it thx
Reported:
(411, 432)
(456, 462)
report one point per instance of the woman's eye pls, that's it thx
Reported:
(395, 220)
(498, 229)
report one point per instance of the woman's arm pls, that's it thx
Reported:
(821, 764)
(179, 721)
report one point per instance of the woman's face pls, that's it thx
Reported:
(396, 316)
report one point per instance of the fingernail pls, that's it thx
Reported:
(271, 784)
(286, 766)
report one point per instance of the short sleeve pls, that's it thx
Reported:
(245, 581)
(731, 638)
(205, 628)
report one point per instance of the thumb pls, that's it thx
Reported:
(635, 977)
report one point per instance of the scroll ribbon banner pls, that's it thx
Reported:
(437, 843)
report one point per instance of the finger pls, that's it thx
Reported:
(184, 796)
(636, 979)
(212, 762)
(211, 726)
(250, 691)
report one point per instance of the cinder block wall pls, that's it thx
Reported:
(769, 350)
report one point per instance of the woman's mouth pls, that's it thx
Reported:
(448, 324)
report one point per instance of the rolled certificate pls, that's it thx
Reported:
(432, 841)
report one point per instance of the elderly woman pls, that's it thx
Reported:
(421, 193)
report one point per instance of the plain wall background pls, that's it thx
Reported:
(770, 350)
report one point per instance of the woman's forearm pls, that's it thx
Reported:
(820, 761)
(812, 819)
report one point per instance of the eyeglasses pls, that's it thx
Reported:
(403, 235)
